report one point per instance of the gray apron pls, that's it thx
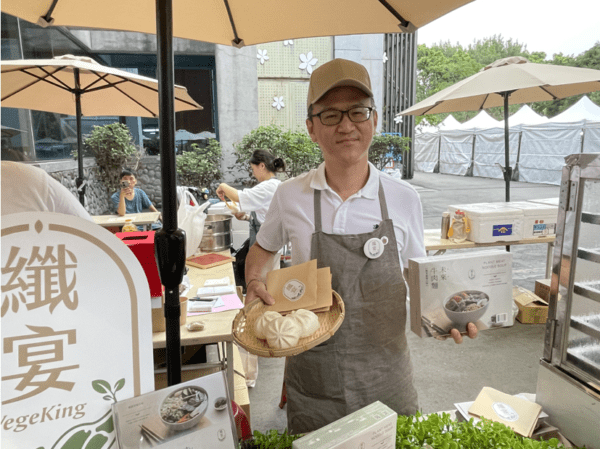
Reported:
(254, 227)
(367, 359)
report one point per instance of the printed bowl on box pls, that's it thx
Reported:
(183, 408)
(466, 306)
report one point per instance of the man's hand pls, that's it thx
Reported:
(471, 332)
(241, 216)
(126, 191)
(255, 288)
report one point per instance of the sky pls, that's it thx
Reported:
(569, 27)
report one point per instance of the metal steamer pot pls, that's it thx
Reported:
(217, 234)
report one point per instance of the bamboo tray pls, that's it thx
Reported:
(243, 329)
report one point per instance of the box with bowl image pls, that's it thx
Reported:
(451, 291)
(178, 416)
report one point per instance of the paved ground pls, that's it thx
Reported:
(445, 373)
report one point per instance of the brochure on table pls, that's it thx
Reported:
(76, 331)
(191, 414)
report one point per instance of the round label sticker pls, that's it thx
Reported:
(505, 411)
(294, 289)
(374, 247)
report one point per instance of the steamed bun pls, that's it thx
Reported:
(283, 332)
(262, 321)
(308, 321)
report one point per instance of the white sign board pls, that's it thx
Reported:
(76, 331)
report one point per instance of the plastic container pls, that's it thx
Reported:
(459, 227)
(129, 226)
(539, 220)
(492, 222)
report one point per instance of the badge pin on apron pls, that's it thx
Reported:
(374, 247)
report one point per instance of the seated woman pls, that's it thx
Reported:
(130, 199)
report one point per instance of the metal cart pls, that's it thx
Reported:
(569, 378)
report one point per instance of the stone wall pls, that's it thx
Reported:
(97, 197)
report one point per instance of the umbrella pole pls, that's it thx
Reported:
(169, 240)
(507, 167)
(79, 181)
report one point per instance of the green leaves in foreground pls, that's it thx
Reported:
(441, 432)
(432, 432)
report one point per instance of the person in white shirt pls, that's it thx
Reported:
(254, 202)
(364, 225)
(26, 188)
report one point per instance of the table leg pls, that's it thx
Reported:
(229, 367)
(549, 255)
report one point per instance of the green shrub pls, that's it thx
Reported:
(386, 148)
(297, 149)
(200, 167)
(113, 147)
(301, 154)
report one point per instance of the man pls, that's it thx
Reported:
(130, 199)
(330, 214)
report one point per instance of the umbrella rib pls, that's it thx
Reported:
(237, 40)
(135, 101)
(37, 79)
(483, 102)
(396, 14)
(137, 83)
(554, 97)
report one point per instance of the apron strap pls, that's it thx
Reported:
(382, 203)
(317, 206)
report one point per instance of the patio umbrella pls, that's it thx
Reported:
(228, 22)
(80, 86)
(9, 132)
(507, 81)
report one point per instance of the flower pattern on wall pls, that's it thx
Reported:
(278, 103)
(398, 119)
(385, 58)
(262, 55)
(308, 62)
(288, 42)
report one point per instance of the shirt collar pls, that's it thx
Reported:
(370, 190)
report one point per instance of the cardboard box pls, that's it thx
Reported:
(532, 308)
(482, 278)
(158, 316)
(542, 289)
(371, 427)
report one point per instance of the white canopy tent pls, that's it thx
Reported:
(538, 145)
(483, 120)
(584, 109)
(526, 116)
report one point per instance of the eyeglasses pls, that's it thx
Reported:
(332, 117)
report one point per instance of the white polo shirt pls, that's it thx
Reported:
(291, 215)
(258, 198)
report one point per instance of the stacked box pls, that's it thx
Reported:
(478, 282)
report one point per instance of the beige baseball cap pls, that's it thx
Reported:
(337, 73)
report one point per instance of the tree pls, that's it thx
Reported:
(200, 167)
(444, 64)
(113, 147)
